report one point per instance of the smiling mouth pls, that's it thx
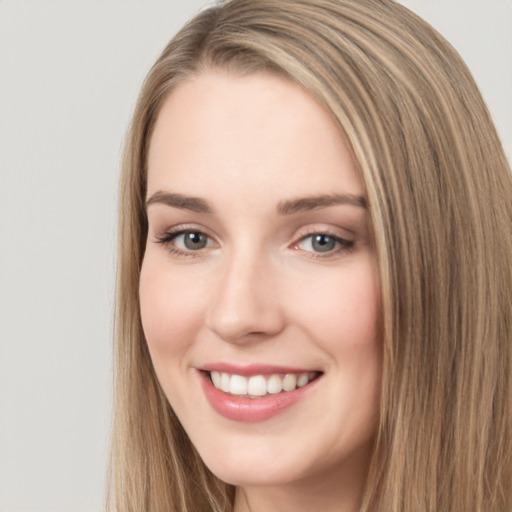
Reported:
(258, 386)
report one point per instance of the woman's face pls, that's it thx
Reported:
(260, 274)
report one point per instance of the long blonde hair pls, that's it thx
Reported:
(440, 196)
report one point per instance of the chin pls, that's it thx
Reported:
(247, 473)
(253, 462)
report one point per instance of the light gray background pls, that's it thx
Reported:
(69, 74)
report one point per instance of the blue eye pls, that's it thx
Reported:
(185, 241)
(323, 243)
(191, 240)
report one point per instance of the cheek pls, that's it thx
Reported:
(342, 308)
(171, 308)
(360, 314)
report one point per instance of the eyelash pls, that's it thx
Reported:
(166, 239)
(342, 245)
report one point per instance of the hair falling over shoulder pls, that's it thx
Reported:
(440, 200)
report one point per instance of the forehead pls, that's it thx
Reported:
(247, 131)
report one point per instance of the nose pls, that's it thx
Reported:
(244, 305)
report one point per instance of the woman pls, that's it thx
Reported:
(314, 270)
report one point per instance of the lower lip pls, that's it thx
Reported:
(250, 410)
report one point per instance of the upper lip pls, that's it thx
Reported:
(252, 369)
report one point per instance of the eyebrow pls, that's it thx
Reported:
(304, 204)
(288, 207)
(194, 204)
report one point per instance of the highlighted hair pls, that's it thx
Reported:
(440, 201)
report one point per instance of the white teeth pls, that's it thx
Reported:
(238, 385)
(257, 386)
(289, 382)
(260, 385)
(216, 379)
(302, 380)
(274, 384)
(224, 382)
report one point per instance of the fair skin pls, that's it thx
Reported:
(259, 264)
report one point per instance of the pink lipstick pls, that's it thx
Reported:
(256, 392)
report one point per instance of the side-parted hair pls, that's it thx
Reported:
(439, 191)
